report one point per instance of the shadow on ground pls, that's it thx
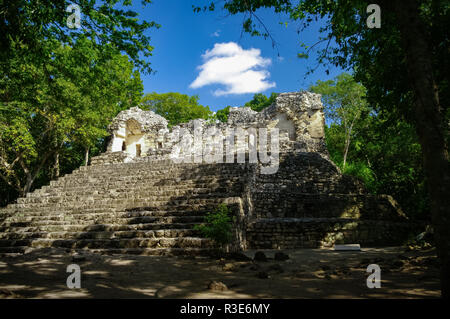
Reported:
(308, 273)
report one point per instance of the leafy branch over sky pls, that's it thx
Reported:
(104, 22)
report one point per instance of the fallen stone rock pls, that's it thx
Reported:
(170, 292)
(229, 267)
(260, 256)
(221, 261)
(217, 286)
(349, 247)
(280, 256)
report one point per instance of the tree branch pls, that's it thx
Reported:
(7, 181)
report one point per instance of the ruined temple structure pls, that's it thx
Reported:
(135, 198)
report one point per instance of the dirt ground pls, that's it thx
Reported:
(308, 273)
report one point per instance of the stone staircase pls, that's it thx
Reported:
(143, 208)
(151, 207)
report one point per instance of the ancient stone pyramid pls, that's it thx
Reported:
(135, 199)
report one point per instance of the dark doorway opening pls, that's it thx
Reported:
(138, 150)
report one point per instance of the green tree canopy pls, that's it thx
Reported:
(260, 101)
(344, 101)
(45, 107)
(59, 87)
(222, 115)
(32, 23)
(257, 103)
(175, 107)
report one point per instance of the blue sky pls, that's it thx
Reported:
(239, 64)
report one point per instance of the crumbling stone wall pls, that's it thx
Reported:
(298, 116)
(309, 203)
(134, 127)
(315, 232)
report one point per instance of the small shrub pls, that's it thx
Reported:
(218, 225)
(363, 172)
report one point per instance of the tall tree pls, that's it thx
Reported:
(404, 62)
(70, 100)
(59, 85)
(345, 103)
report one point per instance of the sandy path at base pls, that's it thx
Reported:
(308, 273)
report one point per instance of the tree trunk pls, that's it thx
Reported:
(31, 176)
(347, 145)
(347, 142)
(55, 170)
(28, 184)
(430, 128)
(86, 156)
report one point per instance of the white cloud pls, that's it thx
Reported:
(240, 71)
(216, 34)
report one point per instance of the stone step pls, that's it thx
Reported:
(188, 210)
(187, 251)
(173, 190)
(172, 170)
(99, 213)
(143, 178)
(97, 227)
(69, 220)
(154, 166)
(126, 196)
(116, 183)
(159, 172)
(130, 192)
(160, 233)
(76, 212)
(120, 202)
(181, 242)
(135, 174)
(118, 187)
(13, 250)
